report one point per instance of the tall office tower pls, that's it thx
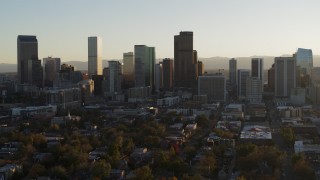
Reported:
(94, 56)
(185, 62)
(144, 65)
(34, 73)
(233, 72)
(257, 68)
(200, 68)
(158, 77)
(167, 67)
(285, 75)
(271, 78)
(304, 59)
(254, 90)
(51, 69)
(114, 77)
(214, 86)
(315, 76)
(27, 49)
(128, 68)
(242, 82)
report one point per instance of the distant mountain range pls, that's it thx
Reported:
(209, 63)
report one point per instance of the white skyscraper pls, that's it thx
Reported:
(94, 56)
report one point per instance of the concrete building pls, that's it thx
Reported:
(158, 77)
(242, 82)
(128, 68)
(144, 66)
(200, 68)
(271, 79)
(139, 94)
(51, 67)
(285, 76)
(214, 86)
(185, 62)
(298, 96)
(168, 101)
(313, 94)
(254, 90)
(233, 72)
(94, 56)
(167, 67)
(315, 76)
(34, 74)
(97, 81)
(27, 49)
(257, 69)
(64, 98)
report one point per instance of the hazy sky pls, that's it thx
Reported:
(229, 28)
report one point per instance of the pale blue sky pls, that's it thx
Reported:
(229, 28)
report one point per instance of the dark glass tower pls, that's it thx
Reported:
(185, 62)
(27, 50)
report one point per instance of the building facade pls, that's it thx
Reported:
(285, 76)
(128, 68)
(114, 77)
(51, 68)
(27, 49)
(94, 56)
(214, 86)
(167, 67)
(257, 68)
(304, 59)
(144, 66)
(242, 82)
(185, 61)
(254, 90)
(159, 77)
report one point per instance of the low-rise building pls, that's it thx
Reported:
(256, 134)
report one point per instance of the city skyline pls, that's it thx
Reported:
(228, 29)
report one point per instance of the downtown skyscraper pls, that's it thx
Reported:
(167, 66)
(29, 66)
(27, 49)
(285, 76)
(233, 72)
(304, 59)
(94, 56)
(257, 70)
(144, 66)
(185, 61)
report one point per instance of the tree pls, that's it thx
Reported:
(288, 136)
(37, 170)
(101, 169)
(58, 172)
(302, 170)
(202, 121)
(144, 173)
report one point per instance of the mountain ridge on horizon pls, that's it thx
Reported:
(215, 62)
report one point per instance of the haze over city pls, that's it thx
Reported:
(150, 90)
(221, 28)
